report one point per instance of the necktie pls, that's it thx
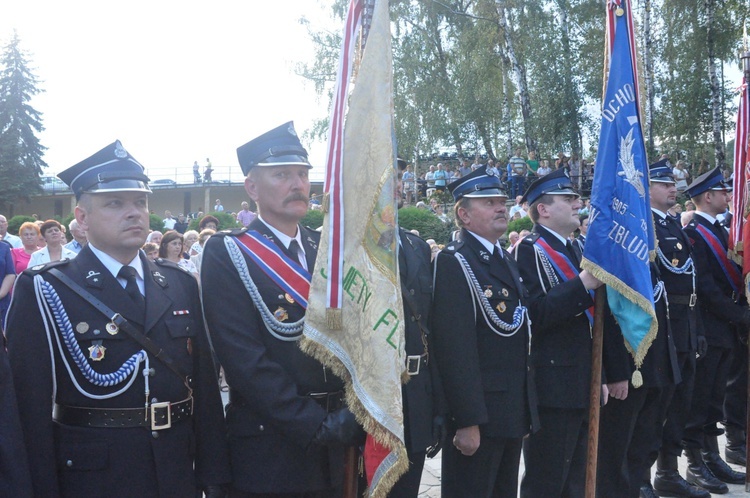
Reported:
(129, 274)
(573, 251)
(294, 251)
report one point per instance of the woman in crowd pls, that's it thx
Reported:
(207, 222)
(151, 250)
(171, 250)
(155, 237)
(190, 237)
(681, 176)
(29, 233)
(544, 169)
(52, 234)
(202, 238)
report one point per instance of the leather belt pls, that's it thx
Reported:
(329, 401)
(158, 416)
(414, 362)
(688, 300)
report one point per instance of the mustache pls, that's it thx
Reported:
(296, 197)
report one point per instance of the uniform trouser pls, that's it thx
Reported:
(491, 472)
(555, 456)
(735, 399)
(679, 408)
(706, 409)
(630, 433)
(408, 484)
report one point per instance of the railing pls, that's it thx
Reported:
(219, 174)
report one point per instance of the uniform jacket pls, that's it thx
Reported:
(561, 343)
(719, 312)
(79, 461)
(659, 368)
(676, 247)
(422, 395)
(271, 419)
(487, 378)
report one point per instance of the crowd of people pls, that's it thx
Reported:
(497, 342)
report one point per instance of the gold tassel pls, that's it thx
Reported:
(334, 318)
(637, 379)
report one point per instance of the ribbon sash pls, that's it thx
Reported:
(564, 267)
(729, 268)
(286, 273)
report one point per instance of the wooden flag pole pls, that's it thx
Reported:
(747, 418)
(595, 392)
(350, 472)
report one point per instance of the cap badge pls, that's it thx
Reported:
(120, 151)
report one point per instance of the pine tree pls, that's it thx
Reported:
(21, 153)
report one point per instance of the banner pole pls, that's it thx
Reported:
(350, 472)
(595, 392)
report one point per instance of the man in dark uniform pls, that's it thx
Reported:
(422, 394)
(113, 347)
(481, 341)
(677, 270)
(725, 319)
(287, 423)
(549, 264)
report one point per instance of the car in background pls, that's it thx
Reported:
(165, 182)
(53, 184)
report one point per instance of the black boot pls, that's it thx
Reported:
(699, 475)
(647, 491)
(716, 465)
(669, 482)
(735, 451)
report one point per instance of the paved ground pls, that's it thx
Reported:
(430, 487)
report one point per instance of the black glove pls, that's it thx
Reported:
(339, 427)
(215, 491)
(439, 431)
(702, 347)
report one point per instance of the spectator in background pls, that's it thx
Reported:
(189, 238)
(517, 208)
(207, 172)
(681, 176)
(218, 208)
(7, 277)
(430, 178)
(202, 238)
(171, 250)
(465, 169)
(562, 162)
(518, 170)
(29, 238)
(151, 250)
(574, 166)
(491, 169)
(155, 237)
(476, 163)
(532, 163)
(181, 224)
(409, 181)
(196, 172)
(208, 221)
(441, 177)
(169, 221)
(513, 239)
(13, 240)
(544, 169)
(79, 237)
(245, 216)
(689, 206)
(54, 250)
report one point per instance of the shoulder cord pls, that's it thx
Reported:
(548, 270)
(687, 268)
(489, 314)
(282, 331)
(53, 312)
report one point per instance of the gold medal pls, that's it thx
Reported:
(675, 262)
(280, 314)
(619, 11)
(112, 328)
(82, 328)
(289, 298)
(501, 307)
(504, 292)
(96, 351)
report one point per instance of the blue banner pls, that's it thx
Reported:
(621, 236)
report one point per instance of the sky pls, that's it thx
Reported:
(175, 81)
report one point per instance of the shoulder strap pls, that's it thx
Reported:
(122, 324)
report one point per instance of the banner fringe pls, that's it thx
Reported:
(620, 286)
(371, 426)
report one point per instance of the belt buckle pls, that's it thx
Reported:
(413, 362)
(157, 406)
(693, 299)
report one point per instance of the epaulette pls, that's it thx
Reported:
(36, 269)
(453, 246)
(169, 264)
(530, 239)
(232, 231)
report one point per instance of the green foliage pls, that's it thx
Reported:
(313, 219)
(226, 221)
(427, 224)
(155, 223)
(21, 152)
(65, 222)
(15, 223)
(524, 223)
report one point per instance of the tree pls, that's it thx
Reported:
(21, 153)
